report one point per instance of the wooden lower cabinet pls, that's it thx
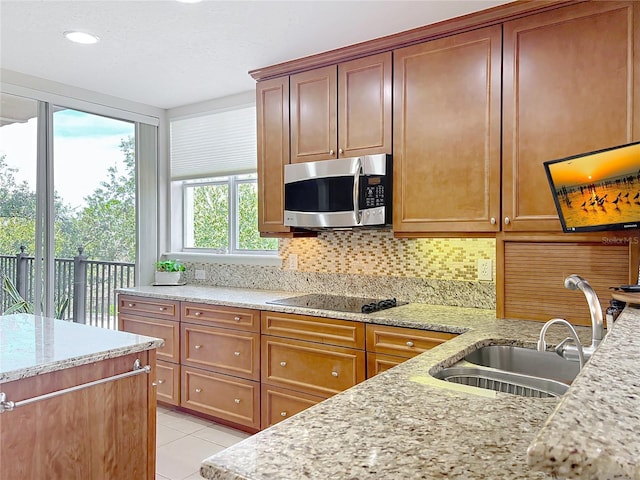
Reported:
(106, 431)
(230, 398)
(378, 363)
(280, 403)
(310, 367)
(388, 346)
(167, 330)
(167, 380)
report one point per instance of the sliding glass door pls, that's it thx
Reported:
(71, 179)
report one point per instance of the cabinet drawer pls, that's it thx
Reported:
(310, 367)
(168, 330)
(149, 307)
(229, 398)
(279, 404)
(226, 351)
(405, 342)
(316, 329)
(167, 380)
(377, 363)
(218, 316)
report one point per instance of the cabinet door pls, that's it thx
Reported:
(272, 108)
(310, 367)
(570, 86)
(446, 121)
(378, 363)
(313, 115)
(167, 380)
(223, 396)
(364, 106)
(280, 403)
(167, 330)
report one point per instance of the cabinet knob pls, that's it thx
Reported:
(160, 381)
(283, 414)
(237, 400)
(237, 319)
(283, 364)
(197, 314)
(131, 305)
(237, 354)
(493, 221)
(331, 152)
(340, 151)
(409, 343)
(507, 220)
(162, 309)
(197, 347)
(335, 374)
(198, 390)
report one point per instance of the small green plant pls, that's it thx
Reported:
(20, 305)
(170, 266)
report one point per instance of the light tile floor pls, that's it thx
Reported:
(183, 441)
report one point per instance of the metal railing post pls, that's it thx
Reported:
(79, 287)
(22, 274)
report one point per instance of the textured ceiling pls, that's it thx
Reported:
(168, 54)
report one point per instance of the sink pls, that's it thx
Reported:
(525, 361)
(516, 370)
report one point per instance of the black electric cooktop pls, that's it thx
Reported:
(339, 303)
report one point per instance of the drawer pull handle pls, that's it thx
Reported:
(283, 364)
(237, 400)
(283, 414)
(409, 343)
(335, 374)
(237, 354)
(197, 347)
(131, 305)
(197, 314)
(198, 390)
(237, 319)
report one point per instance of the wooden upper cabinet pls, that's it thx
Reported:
(446, 122)
(272, 107)
(364, 106)
(342, 111)
(570, 86)
(313, 115)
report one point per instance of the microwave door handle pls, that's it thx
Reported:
(356, 191)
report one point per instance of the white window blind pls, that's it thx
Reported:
(213, 145)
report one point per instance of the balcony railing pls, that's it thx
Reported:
(88, 285)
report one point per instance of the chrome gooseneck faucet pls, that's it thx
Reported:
(570, 352)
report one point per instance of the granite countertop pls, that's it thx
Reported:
(31, 345)
(404, 423)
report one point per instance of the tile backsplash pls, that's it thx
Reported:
(371, 263)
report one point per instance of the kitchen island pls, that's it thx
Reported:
(75, 401)
(404, 423)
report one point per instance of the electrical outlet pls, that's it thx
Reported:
(293, 261)
(200, 275)
(485, 269)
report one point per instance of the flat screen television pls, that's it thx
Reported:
(598, 190)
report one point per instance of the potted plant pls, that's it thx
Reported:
(168, 272)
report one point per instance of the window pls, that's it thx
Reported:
(213, 172)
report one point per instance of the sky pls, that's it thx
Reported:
(84, 147)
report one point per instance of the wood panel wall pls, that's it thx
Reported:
(537, 266)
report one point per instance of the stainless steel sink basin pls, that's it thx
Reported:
(515, 370)
(501, 381)
(525, 361)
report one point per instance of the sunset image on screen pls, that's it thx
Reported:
(598, 189)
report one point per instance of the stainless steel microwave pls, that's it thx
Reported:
(343, 193)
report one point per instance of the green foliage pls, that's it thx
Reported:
(211, 217)
(248, 234)
(20, 305)
(170, 266)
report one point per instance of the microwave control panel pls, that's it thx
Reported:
(374, 192)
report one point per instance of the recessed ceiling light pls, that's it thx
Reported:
(81, 37)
